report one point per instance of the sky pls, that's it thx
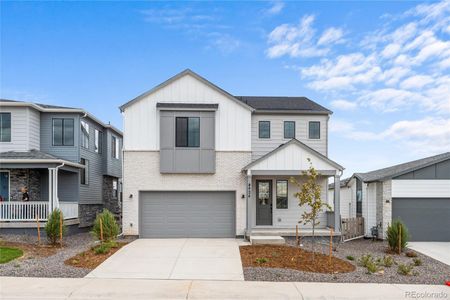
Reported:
(382, 67)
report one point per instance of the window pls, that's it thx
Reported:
(5, 127)
(98, 141)
(115, 190)
(264, 129)
(63, 131)
(314, 130)
(187, 132)
(289, 129)
(84, 134)
(84, 173)
(358, 198)
(115, 147)
(282, 194)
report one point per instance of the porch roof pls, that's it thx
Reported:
(33, 159)
(292, 157)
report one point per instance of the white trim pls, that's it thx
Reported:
(9, 182)
(39, 161)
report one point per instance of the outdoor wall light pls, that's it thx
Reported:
(131, 196)
(243, 196)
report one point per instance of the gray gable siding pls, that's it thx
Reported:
(439, 170)
(113, 166)
(70, 153)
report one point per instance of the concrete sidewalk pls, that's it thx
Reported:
(96, 288)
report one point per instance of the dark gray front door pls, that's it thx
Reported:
(187, 214)
(427, 219)
(264, 202)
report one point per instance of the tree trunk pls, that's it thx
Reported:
(313, 240)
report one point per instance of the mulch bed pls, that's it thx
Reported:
(32, 250)
(287, 257)
(89, 259)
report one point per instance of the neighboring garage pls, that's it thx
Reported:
(427, 219)
(187, 214)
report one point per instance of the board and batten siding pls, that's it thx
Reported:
(263, 146)
(24, 129)
(113, 166)
(141, 119)
(70, 153)
(415, 188)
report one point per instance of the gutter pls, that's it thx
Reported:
(41, 161)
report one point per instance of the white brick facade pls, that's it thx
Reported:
(387, 206)
(141, 173)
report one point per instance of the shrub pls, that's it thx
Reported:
(406, 270)
(52, 228)
(393, 234)
(411, 254)
(349, 257)
(102, 248)
(386, 261)
(417, 262)
(371, 267)
(365, 260)
(261, 260)
(109, 224)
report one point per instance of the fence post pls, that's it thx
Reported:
(296, 235)
(331, 244)
(101, 230)
(38, 229)
(60, 227)
(399, 239)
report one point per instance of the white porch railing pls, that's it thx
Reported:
(23, 211)
(29, 211)
(69, 209)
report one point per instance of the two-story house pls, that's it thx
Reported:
(63, 158)
(200, 162)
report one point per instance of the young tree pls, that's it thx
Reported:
(310, 196)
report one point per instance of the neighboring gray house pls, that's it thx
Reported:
(200, 162)
(64, 156)
(417, 192)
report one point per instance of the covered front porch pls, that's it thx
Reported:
(272, 208)
(49, 184)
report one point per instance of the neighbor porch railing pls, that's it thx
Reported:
(32, 210)
(352, 228)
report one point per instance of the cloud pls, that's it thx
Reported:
(330, 36)
(225, 43)
(416, 82)
(276, 8)
(343, 104)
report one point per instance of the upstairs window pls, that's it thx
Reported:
(84, 134)
(84, 173)
(289, 129)
(264, 130)
(63, 132)
(115, 144)
(187, 132)
(314, 130)
(282, 194)
(98, 141)
(5, 127)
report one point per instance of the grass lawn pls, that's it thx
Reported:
(7, 254)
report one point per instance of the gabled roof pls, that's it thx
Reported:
(179, 75)
(400, 169)
(280, 104)
(54, 108)
(33, 156)
(343, 182)
(302, 145)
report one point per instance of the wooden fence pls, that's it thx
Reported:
(352, 228)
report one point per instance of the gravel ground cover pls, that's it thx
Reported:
(430, 272)
(49, 265)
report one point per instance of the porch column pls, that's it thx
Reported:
(53, 202)
(249, 202)
(336, 202)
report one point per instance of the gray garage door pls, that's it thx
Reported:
(428, 219)
(187, 214)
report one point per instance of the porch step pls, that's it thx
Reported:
(267, 240)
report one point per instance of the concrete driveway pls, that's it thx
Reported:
(208, 259)
(438, 250)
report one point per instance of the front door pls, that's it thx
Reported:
(4, 186)
(264, 202)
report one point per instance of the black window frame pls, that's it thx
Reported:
(85, 136)
(1, 127)
(309, 130)
(259, 130)
(284, 129)
(186, 138)
(98, 141)
(115, 191)
(63, 132)
(84, 172)
(284, 198)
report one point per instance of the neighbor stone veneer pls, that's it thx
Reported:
(141, 173)
(29, 178)
(387, 206)
(87, 213)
